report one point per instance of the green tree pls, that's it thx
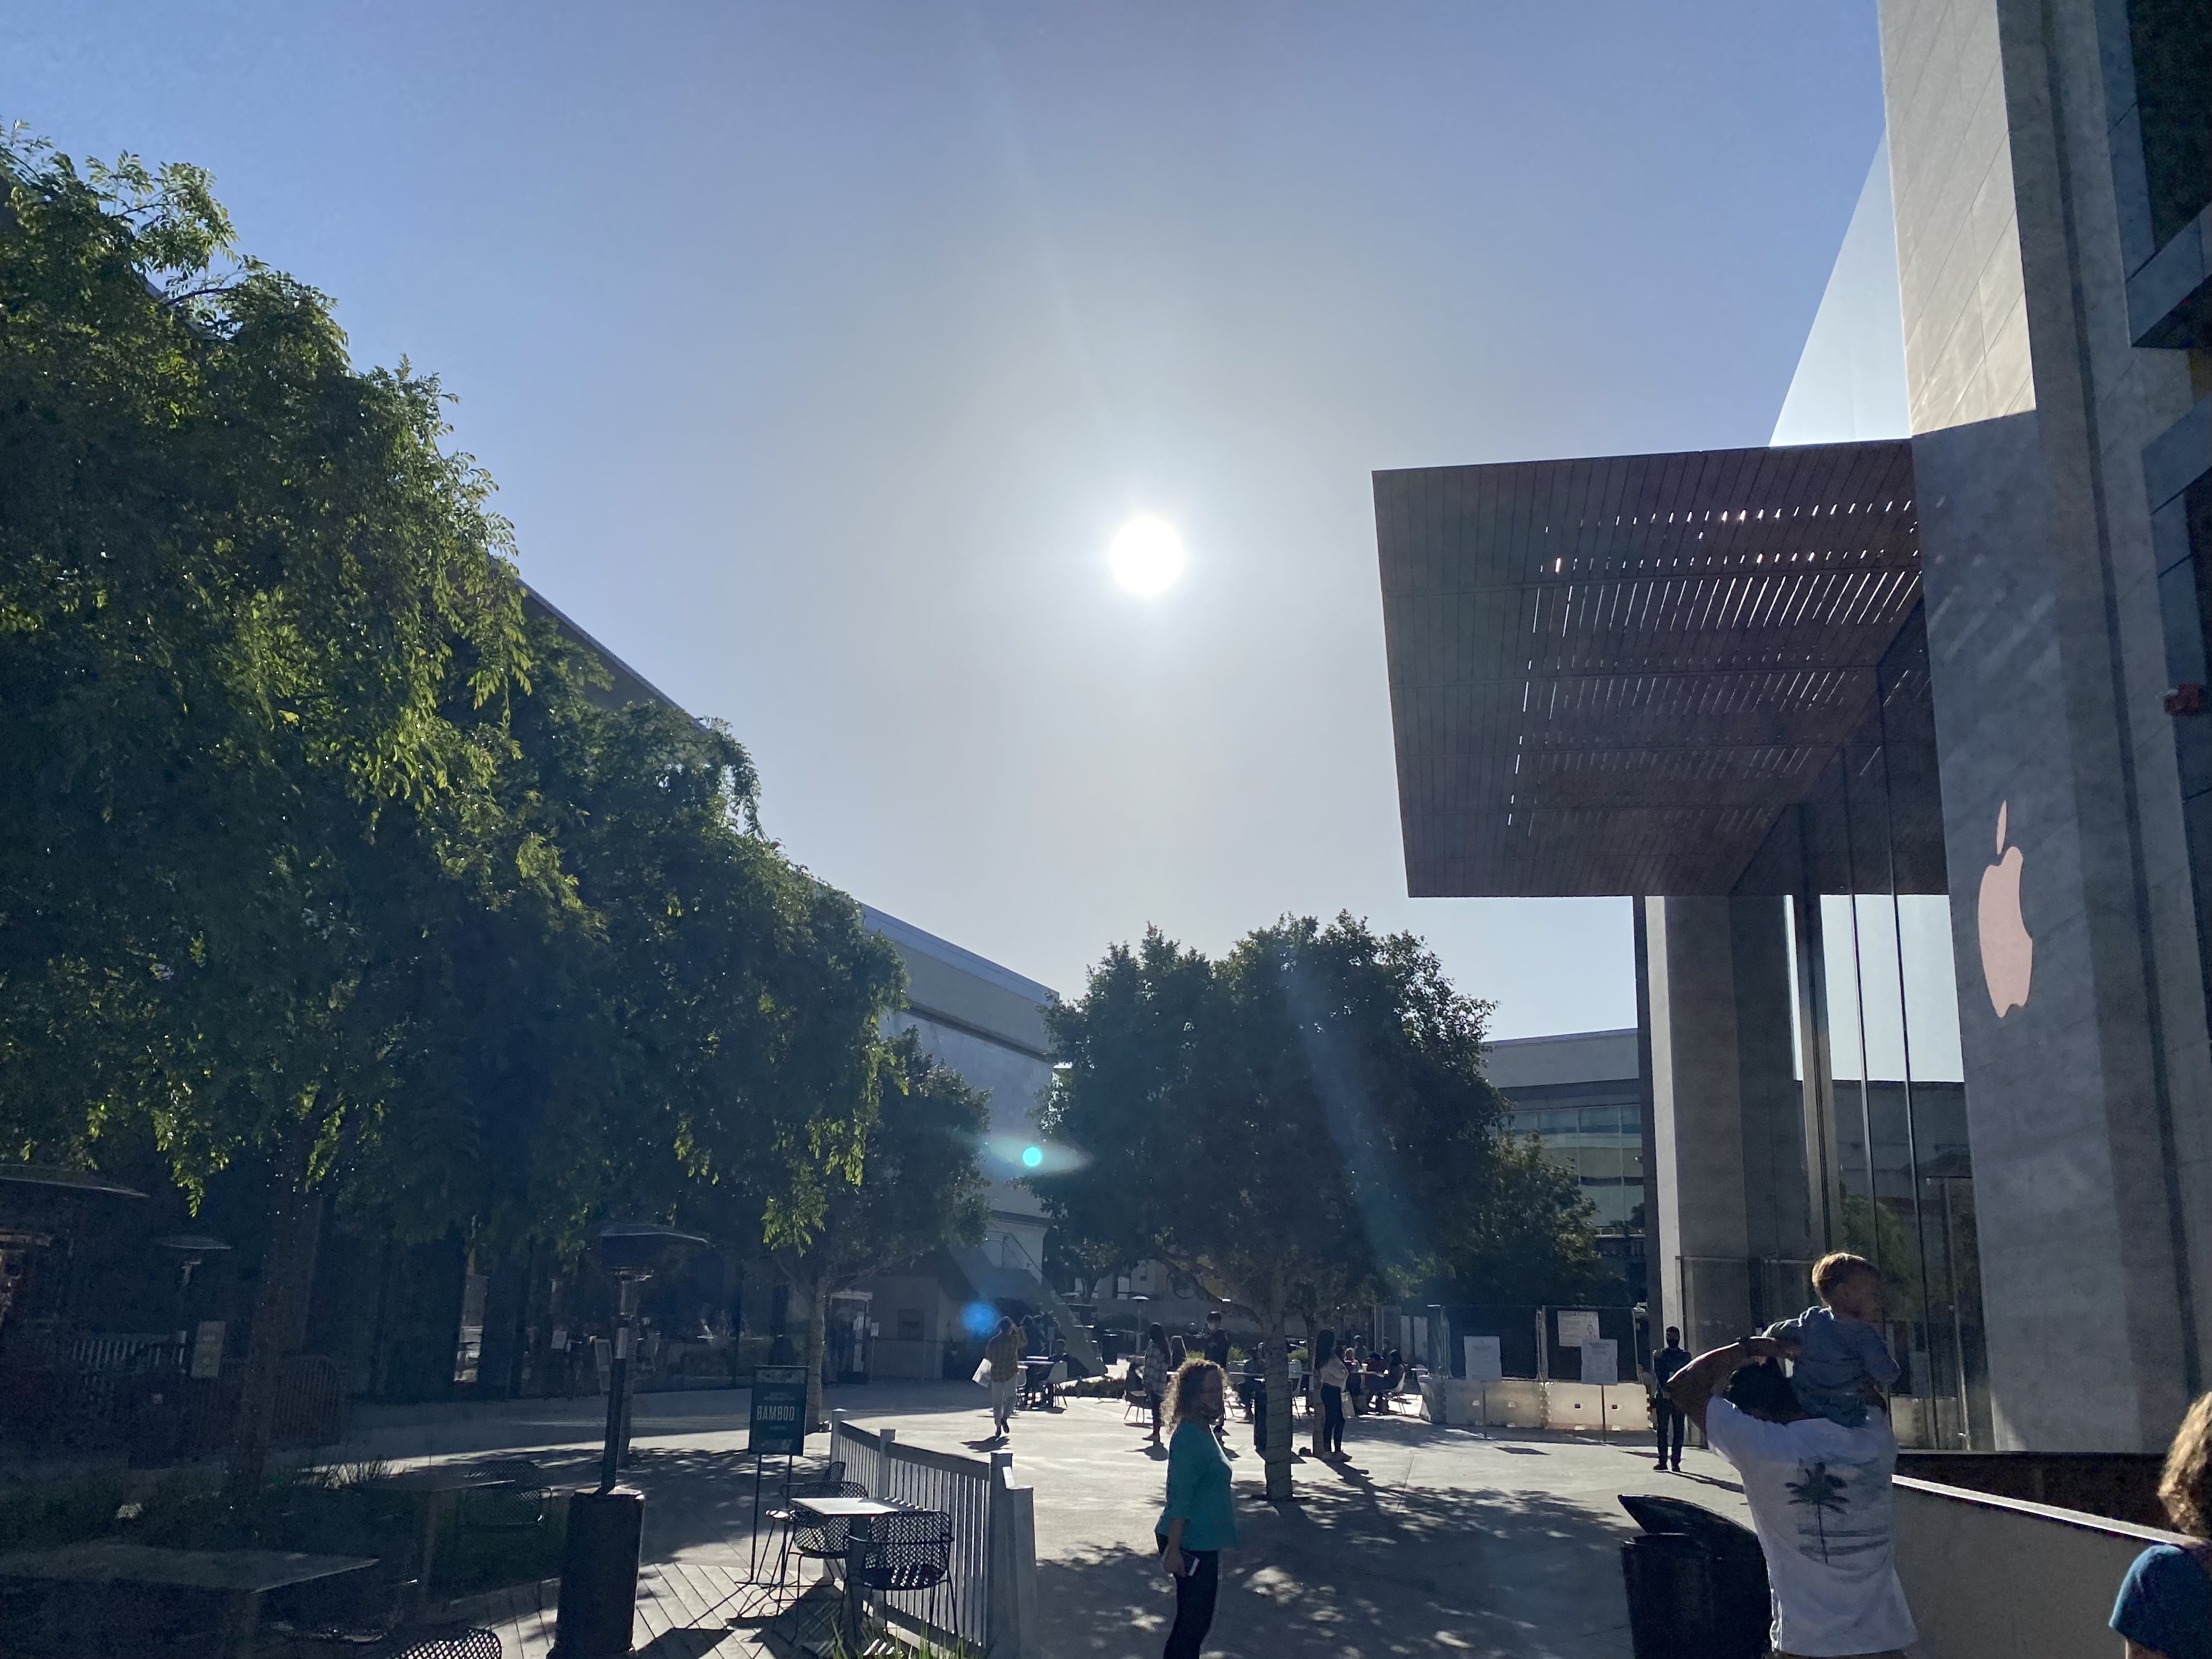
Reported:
(773, 1159)
(259, 643)
(1302, 1125)
(920, 1188)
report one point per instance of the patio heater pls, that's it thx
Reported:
(599, 1563)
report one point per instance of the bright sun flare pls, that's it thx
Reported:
(1146, 556)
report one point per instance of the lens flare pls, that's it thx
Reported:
(979, 1318)
(1009, 1157)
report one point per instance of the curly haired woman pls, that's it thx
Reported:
(2165, 1609)
(1199, 1519)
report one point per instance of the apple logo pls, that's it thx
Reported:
(2008, 952)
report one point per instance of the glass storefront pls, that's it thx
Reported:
(1856, 872)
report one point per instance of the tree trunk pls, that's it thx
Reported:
(817, 1355)
(280, 1325)
(1276, 1367)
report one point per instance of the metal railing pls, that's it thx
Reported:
(992, 1581)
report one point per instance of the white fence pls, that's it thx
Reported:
(992, 1586)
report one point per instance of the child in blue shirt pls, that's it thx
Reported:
(1838, 1341)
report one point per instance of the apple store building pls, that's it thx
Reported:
(1895, 733)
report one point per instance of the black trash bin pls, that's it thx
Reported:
(1696, 1584)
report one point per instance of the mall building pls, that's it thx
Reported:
(1895, 732)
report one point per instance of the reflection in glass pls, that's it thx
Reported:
(1858, 869)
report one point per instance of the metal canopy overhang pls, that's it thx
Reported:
(1611, 676)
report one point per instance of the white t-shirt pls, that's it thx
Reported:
(1820, 1498)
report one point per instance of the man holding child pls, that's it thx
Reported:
(1816, 1463)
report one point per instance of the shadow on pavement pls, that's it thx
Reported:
(1358, 1570)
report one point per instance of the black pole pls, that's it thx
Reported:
(617, 1387)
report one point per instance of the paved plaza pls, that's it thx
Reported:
(1444, 1542)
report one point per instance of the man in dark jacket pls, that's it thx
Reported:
(1666, 1416)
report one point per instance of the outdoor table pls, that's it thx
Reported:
(439, 1485)
(242, 1576)
(855, 1513)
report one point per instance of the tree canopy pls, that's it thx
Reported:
(314, 847)
(1301, 1126)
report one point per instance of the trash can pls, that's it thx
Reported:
(1696, 1584)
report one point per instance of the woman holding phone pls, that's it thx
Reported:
(1199, 1519)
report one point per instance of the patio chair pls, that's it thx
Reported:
(442, 1641)
(911, 1553)
(822, 1540)
(514, 1498)
(1036, 1382)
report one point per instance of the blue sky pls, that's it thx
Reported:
(819, 349)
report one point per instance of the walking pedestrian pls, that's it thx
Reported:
(1199, 1518)
(1153, 1372)
(1004, 1353)
(1321, 1349)
(1666, 1416)
(1331, 1378)
(1217, 1338)
(1214, 1347)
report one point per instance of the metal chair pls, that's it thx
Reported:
(1137, 1404)
(442, 1641)
(1037, 1383)
(816, 1541)
(514, 1498)
(909, 1553)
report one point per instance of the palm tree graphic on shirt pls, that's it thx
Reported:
(1821, 1492)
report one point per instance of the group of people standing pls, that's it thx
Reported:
(1343, 1375)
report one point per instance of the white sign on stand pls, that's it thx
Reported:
(1575, 1326)
(1484, 1362)
(1601, 1362)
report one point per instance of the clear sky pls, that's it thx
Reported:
(819, 350)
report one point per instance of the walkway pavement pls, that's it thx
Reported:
(1441, 1542)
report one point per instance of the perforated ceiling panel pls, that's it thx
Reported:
(1609, 676)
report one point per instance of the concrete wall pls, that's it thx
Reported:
(1729, 1187)
(1989, 1575)
(988, 1024)
(1580, 1057)
(2089, 1107)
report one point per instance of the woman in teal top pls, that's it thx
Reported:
(1200, 1520)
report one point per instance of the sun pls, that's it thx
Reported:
(1146, 556)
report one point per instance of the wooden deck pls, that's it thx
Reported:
(685, 1610)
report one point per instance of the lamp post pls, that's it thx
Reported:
(606, 1526)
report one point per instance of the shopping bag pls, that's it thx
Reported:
(983, 1374)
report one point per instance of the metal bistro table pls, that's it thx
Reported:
(241, 1576)
(440, 1487)
(856, 1513)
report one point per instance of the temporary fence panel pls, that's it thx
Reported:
(991, 1585)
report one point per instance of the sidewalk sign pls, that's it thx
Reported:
(1486, 1364)
(779, 1411)
(1600, 1361)
(1601, 1365)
